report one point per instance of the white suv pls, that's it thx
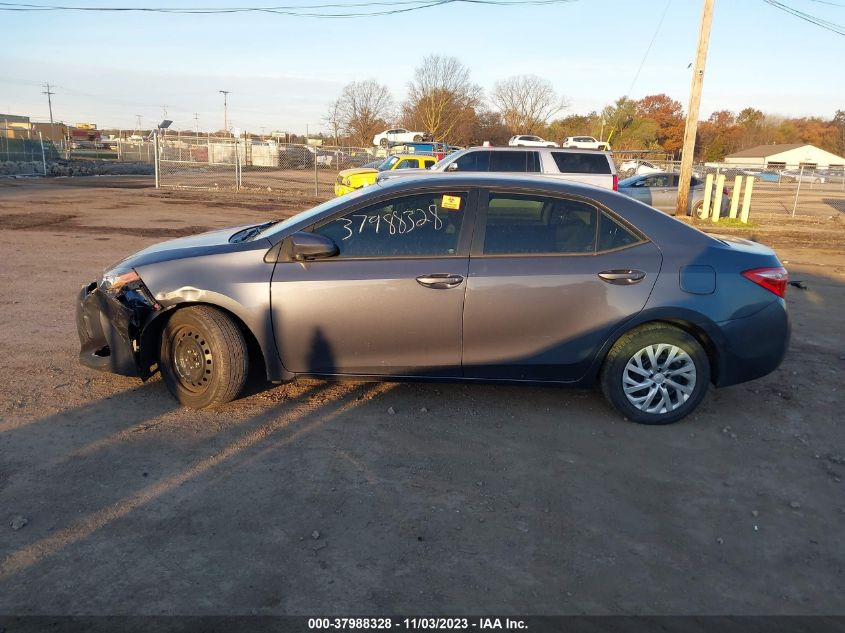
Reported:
(524, 140)
(585, 142)
(589, 168)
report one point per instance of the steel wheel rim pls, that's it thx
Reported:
(192, 359)
(659, 378)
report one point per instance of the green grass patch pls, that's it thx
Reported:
(728, 223)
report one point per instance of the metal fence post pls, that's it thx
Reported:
(43, 159)
(155, 161)
(316, 190)
(797, 189)
(237, 167)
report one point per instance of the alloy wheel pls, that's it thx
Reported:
(659, 378)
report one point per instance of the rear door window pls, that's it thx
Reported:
(613, 234)
(578, 163)
(520, 162)
(519, 224)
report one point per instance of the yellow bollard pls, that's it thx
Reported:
(735, 196)
(708, 189)
(746, 199)
(717, 197)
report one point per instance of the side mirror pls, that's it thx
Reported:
(452, 167)
(306, 246)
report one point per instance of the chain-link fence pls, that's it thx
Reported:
(777, 188)
(26, 150)
(256, 165)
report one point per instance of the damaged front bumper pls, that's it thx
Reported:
(110, 329)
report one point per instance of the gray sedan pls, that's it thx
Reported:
(660, 190)
(458, 277)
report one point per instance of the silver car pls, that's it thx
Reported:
(660, 190)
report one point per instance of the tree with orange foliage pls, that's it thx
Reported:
(668, 114)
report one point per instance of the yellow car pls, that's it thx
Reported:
(352, 179)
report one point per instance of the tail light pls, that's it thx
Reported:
(774, 279)
(615, 182)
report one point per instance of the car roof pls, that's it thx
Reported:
(501, 148)
(425, 178)
(410, 156)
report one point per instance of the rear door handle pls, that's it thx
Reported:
(440, 281)
(624, 277)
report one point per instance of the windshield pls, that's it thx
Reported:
(388, 164)
(306, 215)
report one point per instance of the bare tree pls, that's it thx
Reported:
(526, 102)
(332, 118)
(362, 110)
(442, 98)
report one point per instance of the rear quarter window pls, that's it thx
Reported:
(571, 163)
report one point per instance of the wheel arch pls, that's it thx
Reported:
(262, 351)
(697, 326)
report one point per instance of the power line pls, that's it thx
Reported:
(289, 10)
(812, 19)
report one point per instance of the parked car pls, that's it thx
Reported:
(295, 157)
(526, 140)
(459, 277)
(349, 180)
(432, 148)
(808, 175)
(585, 142)
(588, 167)
(660, 190)
(399, 135)
(632, 167)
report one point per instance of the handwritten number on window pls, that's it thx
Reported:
(398, 223)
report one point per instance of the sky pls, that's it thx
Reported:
(283, 72)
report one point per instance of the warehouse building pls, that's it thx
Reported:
(787, 156)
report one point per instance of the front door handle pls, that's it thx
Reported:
(440, 281)
(624, 277)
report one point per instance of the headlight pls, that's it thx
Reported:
(114, 280)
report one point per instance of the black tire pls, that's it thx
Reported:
(383, 142)
(695, 210)
(417, 138)
(627, 350)
(203, 357)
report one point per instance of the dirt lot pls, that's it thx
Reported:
(470, 499)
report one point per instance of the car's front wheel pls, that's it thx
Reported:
(656, 374)
(417, 138)
(203, 357)
(697, 210)
(383, 142)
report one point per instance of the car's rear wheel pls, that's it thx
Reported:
(656, 374)
(203, 357)
(697, 210)
(417, 138)
(383, 142)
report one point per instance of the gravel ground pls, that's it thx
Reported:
(314, 497)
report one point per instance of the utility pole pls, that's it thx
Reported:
(138, 124)
(694, 105)
(225, 94)
(164, 112)
(197, 123)
(49, 94)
